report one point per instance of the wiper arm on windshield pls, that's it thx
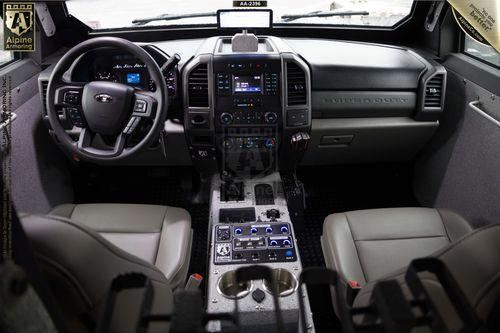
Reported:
(293, 17)
(170, 17)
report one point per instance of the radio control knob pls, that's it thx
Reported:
(270, 117)
(228, 143)
(226, 118)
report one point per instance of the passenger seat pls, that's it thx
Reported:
(367, 246)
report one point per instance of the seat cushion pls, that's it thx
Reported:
(365, 245)
(160, 235)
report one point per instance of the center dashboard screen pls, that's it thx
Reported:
(247, 83)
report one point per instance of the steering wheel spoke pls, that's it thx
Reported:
(84, 145)
(145, 104)
(68, 98)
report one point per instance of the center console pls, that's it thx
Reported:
(254, 231)
(247, 120)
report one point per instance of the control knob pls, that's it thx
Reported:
(270, 117)
(226, 118)
(228, 143)
(273, 214)
(270, 143)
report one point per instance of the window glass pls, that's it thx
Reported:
(5, 56)
(483, 52)
(112, 14)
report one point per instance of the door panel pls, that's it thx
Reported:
(38, 170)
(460, 168)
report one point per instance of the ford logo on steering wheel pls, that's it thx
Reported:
(103, 98)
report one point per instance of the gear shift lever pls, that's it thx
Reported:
(299, 143)
(231, 190)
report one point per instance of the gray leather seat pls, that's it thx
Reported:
(159, 235)
(82, 248)
(372, 245)
(474, 262)
(365, 245)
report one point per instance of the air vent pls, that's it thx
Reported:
(296, 84)
(434, 91)
(43, 96)
(198, 86)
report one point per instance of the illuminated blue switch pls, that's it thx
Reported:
(238, 231)
(253, 230)
(289, 253)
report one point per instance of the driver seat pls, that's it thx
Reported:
(82, 248)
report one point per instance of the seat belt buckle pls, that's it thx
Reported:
(354, 284)
(193, 282)
(352, 291)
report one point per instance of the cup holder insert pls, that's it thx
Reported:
(227, 288)
(287, 282)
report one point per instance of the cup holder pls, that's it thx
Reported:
(227, 288)
(287, 282)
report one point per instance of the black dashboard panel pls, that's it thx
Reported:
(340, 65)
(363, 103)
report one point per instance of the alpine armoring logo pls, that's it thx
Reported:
(19, 26)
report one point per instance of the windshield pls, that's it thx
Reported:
(112, 14)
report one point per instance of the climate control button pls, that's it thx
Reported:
(270, 117)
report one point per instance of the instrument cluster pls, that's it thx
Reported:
(106, 65)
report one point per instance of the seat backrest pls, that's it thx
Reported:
(474, 262)
(80, 266)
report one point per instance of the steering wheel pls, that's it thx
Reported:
(105, 108)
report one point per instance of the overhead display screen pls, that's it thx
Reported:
(247, 83)
(244, 18)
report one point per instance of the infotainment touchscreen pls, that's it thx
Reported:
(247, 83)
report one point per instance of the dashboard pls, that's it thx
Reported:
(357, 102)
